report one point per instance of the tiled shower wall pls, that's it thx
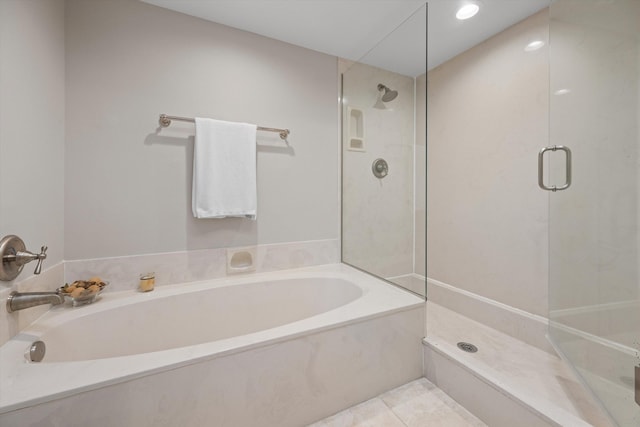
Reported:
(487, 219)
(378, 213)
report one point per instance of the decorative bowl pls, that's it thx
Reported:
(84, 297)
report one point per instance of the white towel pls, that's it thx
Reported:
(224, 170)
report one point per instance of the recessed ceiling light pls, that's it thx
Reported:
(534, 45)
(467, 11)
(562, 91)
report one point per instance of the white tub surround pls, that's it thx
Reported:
(123, 273)
(205, 264)
(347, 338)
(12, 323)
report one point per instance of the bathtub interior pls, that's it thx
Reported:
(166, 319)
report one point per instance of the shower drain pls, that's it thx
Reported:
(469, 348)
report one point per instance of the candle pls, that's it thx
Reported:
(147, 282)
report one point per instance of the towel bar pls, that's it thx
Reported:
(165, 121)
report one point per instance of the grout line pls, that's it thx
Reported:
(390, 409)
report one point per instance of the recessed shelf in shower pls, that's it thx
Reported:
(356, 130)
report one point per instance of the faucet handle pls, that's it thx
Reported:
(40, 257)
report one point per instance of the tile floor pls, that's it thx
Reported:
(418, 403)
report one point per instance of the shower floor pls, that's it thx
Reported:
(538, 383)
(418, 403)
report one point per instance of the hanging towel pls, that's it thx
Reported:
(224, 170)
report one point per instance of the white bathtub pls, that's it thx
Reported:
(274, 349)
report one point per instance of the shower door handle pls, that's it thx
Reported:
(567, 182)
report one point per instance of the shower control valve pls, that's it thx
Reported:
(380, 168)
(15, 255)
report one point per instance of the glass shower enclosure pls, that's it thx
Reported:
(384, 157)
(594, 288)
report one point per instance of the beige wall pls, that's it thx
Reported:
(128, 184)
(32, 125)
(31, 143)
(487, 119)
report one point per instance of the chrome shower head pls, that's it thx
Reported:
(388, 95)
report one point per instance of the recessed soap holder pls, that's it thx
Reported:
(241, 260)
(355, 128)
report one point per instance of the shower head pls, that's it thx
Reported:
(388, 95)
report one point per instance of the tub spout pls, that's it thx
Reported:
(20, 300)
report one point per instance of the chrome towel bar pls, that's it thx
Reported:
(165, 121)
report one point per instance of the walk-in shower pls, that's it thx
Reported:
(566, 76)
(563, 73)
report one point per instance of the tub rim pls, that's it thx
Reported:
(378, 299)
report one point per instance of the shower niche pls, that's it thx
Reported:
(383, 215)
(355, 126)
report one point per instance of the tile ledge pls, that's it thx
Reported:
(548, 411)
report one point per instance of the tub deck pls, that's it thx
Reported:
(45, 385)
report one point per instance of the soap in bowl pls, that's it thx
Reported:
(82, 292)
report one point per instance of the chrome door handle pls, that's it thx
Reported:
(567, 182)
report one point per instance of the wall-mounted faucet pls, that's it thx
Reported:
(20, 300)
(15, 255)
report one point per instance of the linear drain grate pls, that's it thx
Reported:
(469, 348)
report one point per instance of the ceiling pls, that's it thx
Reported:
(389, 34)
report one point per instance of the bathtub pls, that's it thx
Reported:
(275, 349)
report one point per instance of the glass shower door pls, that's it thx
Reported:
(594, 288)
